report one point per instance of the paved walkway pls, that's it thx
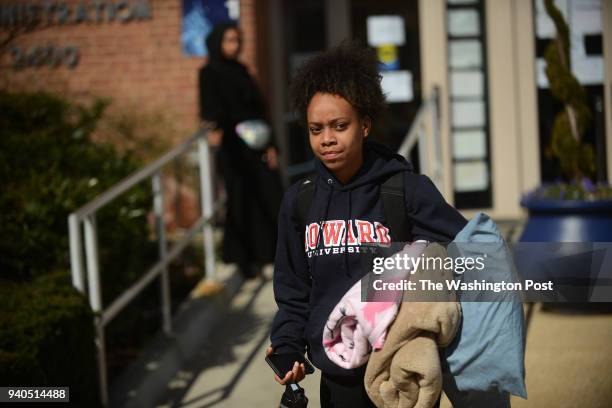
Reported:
(231, 370)
(568, 360)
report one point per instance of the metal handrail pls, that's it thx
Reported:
(83, 221)
(417, 133)
(135, 178)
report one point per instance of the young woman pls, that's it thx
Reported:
(338, 93)
(229, 96)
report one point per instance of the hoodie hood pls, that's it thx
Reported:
(379, 162)
(336, 201)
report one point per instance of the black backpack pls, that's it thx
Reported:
(392, 195)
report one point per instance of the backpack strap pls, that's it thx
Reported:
(305, 195)
(394, 206)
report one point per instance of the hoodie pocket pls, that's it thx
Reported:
(316, 323)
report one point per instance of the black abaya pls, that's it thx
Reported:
(228, 96)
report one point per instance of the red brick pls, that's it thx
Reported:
(139, 63)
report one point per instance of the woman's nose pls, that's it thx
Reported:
(328, 137)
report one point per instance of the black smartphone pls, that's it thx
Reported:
(282, 363)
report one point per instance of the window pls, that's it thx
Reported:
(469, 119)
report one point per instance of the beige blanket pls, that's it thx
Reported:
(406, 372)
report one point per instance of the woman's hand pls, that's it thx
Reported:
(215, 137)
(271, 157)
(296, 375)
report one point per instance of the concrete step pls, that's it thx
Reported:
(146, 379)
(230, 370)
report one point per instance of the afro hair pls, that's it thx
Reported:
(349, 71)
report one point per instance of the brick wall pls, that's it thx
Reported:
(138, 64)
(248, 24)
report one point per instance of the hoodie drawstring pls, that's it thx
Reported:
(347, 272)
(320, 232)
(346, 236)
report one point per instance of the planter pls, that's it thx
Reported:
(567, 220)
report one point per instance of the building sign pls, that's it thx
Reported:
(59, 13)
(388, 58)
(49, 55)
(49, 13)
(384, 30)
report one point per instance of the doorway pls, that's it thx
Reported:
(308, 27)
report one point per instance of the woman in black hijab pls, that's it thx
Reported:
(229, 96)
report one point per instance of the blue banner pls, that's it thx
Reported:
(199, 17)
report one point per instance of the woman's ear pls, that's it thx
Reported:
(366, 126)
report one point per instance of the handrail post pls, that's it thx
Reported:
(84, 253)
(76, 253)
(207, 206)
(437, 143)
(424, 162)
(160, 226)
(95, 299)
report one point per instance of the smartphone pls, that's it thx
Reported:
(282, 363)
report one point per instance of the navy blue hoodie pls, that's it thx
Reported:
(315, 266)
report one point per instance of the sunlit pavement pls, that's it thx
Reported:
(231, 370)
(568, 360)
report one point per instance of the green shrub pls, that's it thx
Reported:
(47, 337)
(576, 158)
(49, 167)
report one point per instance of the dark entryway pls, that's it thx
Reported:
(311, 26)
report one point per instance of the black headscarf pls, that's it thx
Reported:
(232, 95)
(215, 55)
